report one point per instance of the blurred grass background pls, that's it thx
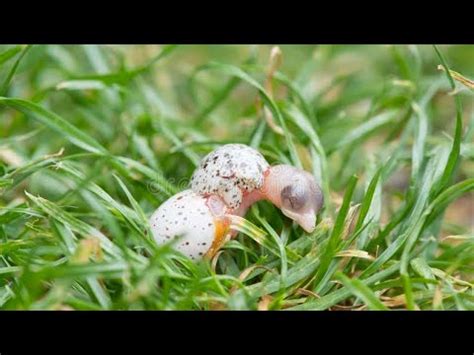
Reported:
(94, 138)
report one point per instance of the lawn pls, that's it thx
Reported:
(94, 138)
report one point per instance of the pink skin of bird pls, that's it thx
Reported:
(276, 178)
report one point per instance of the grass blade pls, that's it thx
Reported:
(359, 289)
(335, 237)
(57, 123)
(456, 147)
(11, 73)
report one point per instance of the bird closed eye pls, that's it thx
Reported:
(293, 198)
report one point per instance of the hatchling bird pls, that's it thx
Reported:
(227, 182)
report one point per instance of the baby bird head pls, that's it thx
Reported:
(296, 193)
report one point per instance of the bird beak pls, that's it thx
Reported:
(307, 220)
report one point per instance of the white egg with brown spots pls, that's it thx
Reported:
(196, 224)
(230, 171)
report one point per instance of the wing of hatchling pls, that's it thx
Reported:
(229, 171)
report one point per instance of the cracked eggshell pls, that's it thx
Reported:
(229, 171)
(187, 217)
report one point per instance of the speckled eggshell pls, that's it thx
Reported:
(229, 171)
(187, 217)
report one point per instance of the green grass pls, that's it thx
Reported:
(94, 138)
